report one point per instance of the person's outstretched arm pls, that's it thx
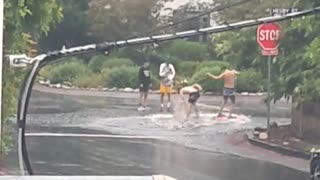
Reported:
(236, 72)
(215, 77)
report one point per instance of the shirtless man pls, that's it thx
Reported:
(194, 94)
(229, 77)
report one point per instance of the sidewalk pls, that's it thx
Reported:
(281, 140)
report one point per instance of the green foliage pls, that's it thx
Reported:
(91, 80)
(26, 20)
(96, 63)
(308, 91)
(187, 68)
(212, 64)
(239, 48)
(155, 82)
(45, 72)
(123, 19)
(117, 62)
(206, 82)
(72, 30)
(187, 51)
(122, 77)
(250, 81)
(67, 72)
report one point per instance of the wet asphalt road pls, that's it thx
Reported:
(108, 156)
(114, 156)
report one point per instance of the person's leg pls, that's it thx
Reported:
(162, 93)
(145, 97)
(233, 100)
(225, 99)
(189, 109)
(196, 109)
(161, 101)
(145, 94)
(169, 101)
(141, 97)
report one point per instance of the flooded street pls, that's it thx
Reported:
(69, 135)
(113, 156)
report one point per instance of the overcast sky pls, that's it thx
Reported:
(177, 3)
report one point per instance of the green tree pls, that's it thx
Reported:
(187, 51)
(72, 31)
(23, 21)
(117, 20)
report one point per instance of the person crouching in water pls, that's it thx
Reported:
(194, 94)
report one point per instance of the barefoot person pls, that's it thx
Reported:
(144, 84)
(194, 94)
(229, 77)
(167, 73)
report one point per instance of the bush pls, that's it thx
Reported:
(186, 50)
(122, 77)
(45, 72)
(250, 81)
(67, 72)
(212, 64)
(155, 82)
(91, 80)
(206, 82)
(96, 63)
(187, 68)
(117, 62)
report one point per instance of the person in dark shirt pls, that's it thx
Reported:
(144, 84)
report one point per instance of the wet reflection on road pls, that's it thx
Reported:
(110, 156)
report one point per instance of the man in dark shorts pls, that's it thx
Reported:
(144, 84)
(229, 77)
(194, 94)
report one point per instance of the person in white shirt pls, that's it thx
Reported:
(167, 74)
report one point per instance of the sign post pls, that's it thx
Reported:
(1, 63)
(268, 36)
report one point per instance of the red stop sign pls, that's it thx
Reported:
(268, 36)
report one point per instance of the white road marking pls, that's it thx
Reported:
(91, 135)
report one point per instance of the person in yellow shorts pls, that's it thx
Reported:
(167, 74)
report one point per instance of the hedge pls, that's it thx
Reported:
(66, 72)
(250, 81)
(96, 63)
(187, 68)
(117, 62)
(210, 63)
(206, 82)
(123, 77)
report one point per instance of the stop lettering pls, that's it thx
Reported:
(268, 36)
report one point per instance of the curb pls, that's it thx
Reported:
(277, 148)
(60, 86)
